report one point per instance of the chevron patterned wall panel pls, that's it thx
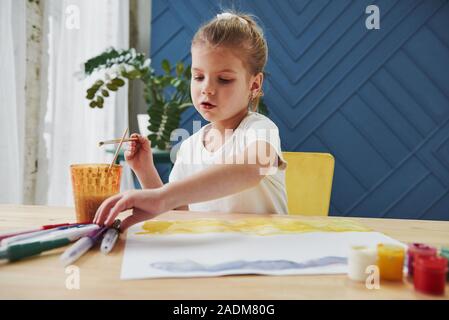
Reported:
(378, 100)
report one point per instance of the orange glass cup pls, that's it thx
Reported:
(92, 184)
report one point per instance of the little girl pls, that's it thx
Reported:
(232, 164)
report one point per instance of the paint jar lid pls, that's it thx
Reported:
(422, 249)
(363, 251)
(444, 252)
(390, 249)
(431, 263)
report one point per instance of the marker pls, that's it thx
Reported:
(18, 251)
(46, 227)
(110, 237)
(81, 246)
(72, 234)
(20, 237)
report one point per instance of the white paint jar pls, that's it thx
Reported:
(359, 258)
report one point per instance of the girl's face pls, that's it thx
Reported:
(221, 85)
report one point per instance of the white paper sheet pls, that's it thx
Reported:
(221, 253)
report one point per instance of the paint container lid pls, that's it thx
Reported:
(422, 249)
(444, 252)
(363, 254)
(390, 250)
(363, 251)
(431, 264)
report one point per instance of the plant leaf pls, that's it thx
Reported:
(166, 66)
(187, 72)
(111, 86)
(118, 82)
(90, 94)
(179, 68)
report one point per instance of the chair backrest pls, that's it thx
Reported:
(309, 182)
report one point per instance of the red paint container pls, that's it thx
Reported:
(430, 274)
(418, 249)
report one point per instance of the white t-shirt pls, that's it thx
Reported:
(269, 196)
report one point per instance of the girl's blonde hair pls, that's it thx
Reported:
(237, 30)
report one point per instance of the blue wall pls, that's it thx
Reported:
(378, 100)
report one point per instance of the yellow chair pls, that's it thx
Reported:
(309, 182)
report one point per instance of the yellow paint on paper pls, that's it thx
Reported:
(257, 226)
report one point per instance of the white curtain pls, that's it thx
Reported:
(75, 31)
(12, 99)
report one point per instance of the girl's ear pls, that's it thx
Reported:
(256, 82)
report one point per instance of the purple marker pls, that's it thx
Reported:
(81, 246)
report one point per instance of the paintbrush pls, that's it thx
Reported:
(118, 149)
(116, 141)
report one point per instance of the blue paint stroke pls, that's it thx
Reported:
(263, 265)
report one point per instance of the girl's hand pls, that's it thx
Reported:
(138, 155)
(146, 204)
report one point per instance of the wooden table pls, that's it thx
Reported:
(42, 277)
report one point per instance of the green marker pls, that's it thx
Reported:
(19, 251)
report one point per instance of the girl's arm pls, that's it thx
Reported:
(224, 179)
(139, 157)
(215, 182)
(151, 180)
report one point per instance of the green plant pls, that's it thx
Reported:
(167, 95)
